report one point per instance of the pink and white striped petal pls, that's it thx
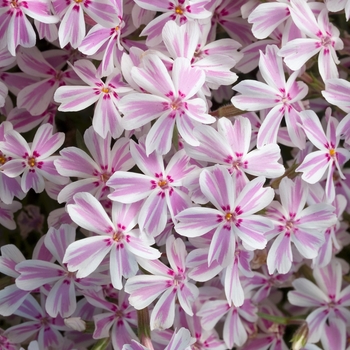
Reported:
(195, 222)
(45, 142)
(153, 214)
(163, 314)
(88, 213)
(159, 138)
(140, 109)
(85, 255)
(145, 289)
(129, 187)
(154, 77)
(254, 196)
(61, 299)
(280, 254)
(36, 273)
(72, 27)
(75, 98)
(32, 180)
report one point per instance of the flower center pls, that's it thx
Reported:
(78, 1)
(105, 90)
(14, 4)
(228, 216)
(179, 10)
(3, 158)
(32, 162)
(118, 236)
(105, 177)
(162, 184)
(332, 152)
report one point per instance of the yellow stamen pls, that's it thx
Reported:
(162, 183)
(32, 162)
(179, 10)
(332, 152)
(228, 216)
(2, 159)
(105, 90)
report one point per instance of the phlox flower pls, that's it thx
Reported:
(329, 301)
(236, 319)
(283, 97)
(328, 157)
(216, 58)
(106, 95)
(93, 171)
(44, 328)
(109, 41)
(170, 99)
(270, 334)
(180, 11)
(338, 5)
(322, 37)
(158, 186)
(36, 97)
(116, 322)
(61, 298)
(337, 92)
(115, 237)
(11, 297)
(168, 283)
(34, 161)
(9, 187)
(292, 223)
(228, 15)
(180, 340)
(230, 147)
(23, 121)
(232, 219)
(71, 12)
(6, 214)
(15, 28)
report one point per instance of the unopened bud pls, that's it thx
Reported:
(75, 323)
(299, 339)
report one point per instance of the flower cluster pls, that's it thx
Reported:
(174, 174)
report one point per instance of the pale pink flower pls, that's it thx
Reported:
(116, 237)
(61, 296)
(106, 95)
(230, 147)
(329, 156)
(9, 187)
(118, 320)
(6, 214)
(36, 97)
(327, 299)
(233, 218)
(180, 11)
(45, 329)
(71, 12)
(15, 27)
(168, 283)
(93, 171)
(337, 92)
(215, 58)
(228, 15)
(338, 5)
(283, 97)
(170, 100)
(292, 223)
(322, 37)
(35, 161)
(236, 319)
(159, 186)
